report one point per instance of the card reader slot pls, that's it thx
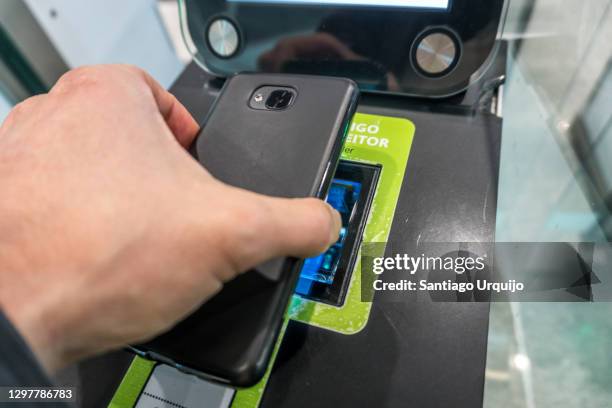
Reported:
(326, 278)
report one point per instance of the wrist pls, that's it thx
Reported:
(37, 330)
(33, 305)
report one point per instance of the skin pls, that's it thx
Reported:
(111, 232)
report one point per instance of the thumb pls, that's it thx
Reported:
(279, 227)
(304, 227)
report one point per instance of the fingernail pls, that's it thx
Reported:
(336, 220)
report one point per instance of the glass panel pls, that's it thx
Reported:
(555, 185)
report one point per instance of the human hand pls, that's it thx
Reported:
(110, 231)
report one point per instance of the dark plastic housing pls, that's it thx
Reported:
(371, 44)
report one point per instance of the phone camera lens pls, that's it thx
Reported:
(280, 99)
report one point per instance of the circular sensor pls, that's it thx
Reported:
(223, 38)
(437, 53)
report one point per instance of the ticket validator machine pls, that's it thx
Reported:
(420, 165)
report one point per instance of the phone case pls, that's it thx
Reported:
(290, 153)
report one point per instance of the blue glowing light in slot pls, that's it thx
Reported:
(343, 196)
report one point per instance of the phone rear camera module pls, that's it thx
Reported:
(280, 99)
(272, 98)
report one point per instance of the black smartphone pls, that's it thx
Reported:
(279, 135)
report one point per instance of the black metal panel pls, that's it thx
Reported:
(410, 354)
(421, 354)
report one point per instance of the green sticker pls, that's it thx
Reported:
(376, 140)
(132, 384)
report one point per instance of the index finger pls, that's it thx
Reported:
(177, 117)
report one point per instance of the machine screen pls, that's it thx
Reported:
(432, 4)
